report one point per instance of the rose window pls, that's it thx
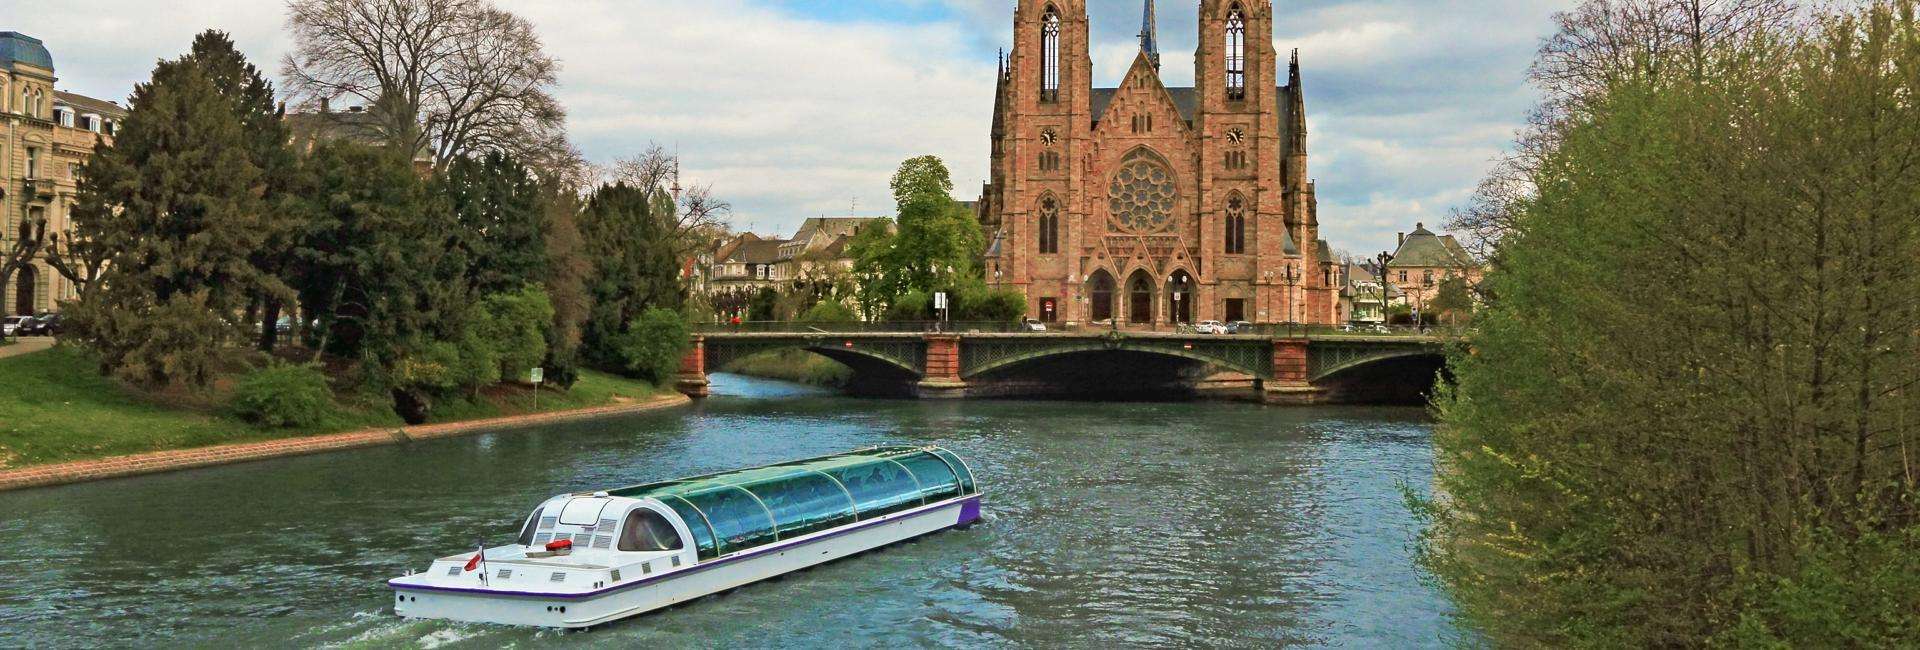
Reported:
(1141, 195)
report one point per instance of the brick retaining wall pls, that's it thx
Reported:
(179, 459)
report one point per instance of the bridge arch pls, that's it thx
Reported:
(1398, 375)
(984, 357)
(900, 358)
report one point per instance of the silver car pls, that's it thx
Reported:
(11, 325)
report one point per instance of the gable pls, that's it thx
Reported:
(1141, 86)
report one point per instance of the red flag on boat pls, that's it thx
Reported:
(477, 559)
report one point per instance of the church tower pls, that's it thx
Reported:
(1143, 204)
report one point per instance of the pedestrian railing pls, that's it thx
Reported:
(1267, 330)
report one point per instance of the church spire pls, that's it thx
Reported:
(1149, 36)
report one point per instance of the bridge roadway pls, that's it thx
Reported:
(1281, 367)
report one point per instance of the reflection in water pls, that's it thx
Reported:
(1189, 523)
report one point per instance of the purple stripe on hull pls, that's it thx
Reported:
(969, 512)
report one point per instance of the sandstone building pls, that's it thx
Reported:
(1148, 204)
(46, 137)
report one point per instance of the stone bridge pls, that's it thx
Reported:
(1295, 369)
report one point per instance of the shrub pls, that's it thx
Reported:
(910, 306)
(513, 327)
(282, 396)
(828, 312)
(654, 344)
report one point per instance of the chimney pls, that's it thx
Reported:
(1400, 239)
(323, 106)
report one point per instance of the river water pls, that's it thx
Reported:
(1187, 524)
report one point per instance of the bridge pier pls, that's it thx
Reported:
(942, 379)
(692, 381)
(1290, 385)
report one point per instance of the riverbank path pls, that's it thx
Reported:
(27, 345)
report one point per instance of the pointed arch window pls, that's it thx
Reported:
(1050, 56)
(1049, 226)
(1236, 54)
(1236, 226)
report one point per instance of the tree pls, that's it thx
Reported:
(1599, 45)
(498, 203)
(569, 268)
(632, 249)
(453, 77)
(937, 239)
(1453, 301)
(381, 269)
(192, 183)
(698, 218)
(1687, 419)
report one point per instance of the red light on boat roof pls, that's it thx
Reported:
(559, 545)
(849, 343)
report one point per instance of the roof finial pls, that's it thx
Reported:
(1149, 36)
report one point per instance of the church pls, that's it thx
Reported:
(1149, 205)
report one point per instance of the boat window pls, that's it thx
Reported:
(647, 530)
(937, 480)
(703, 539)
(959, 467)
(805, 502)
(879, 488)
(526, 532)
(582, 512)
(739, 521)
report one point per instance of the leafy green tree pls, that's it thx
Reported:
(635, 267)
(936, 241)
(515, 327)
(829, 312)
(192, 186)
(654, 344)
(1686, 419)
(1453, 301)
(499, 205)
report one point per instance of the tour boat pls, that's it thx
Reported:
(588, 558)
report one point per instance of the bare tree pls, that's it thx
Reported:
(698, 216)
(1598, 46)
(81, 261)
(450, 77)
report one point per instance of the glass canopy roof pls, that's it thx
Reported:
(734, 511)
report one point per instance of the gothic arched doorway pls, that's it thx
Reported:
(1140, 299)
(24, 282)
(1180, 297)
(1100, 288)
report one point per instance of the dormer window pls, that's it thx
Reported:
(64, 116)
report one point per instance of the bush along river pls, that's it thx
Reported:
(1201, 523)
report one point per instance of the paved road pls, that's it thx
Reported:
(26, 345)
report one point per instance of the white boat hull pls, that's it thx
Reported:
(417, 599)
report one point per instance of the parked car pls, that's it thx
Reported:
(11, 325)
(1239, 327)
(1210, 327)
(1032, 325)
(36, 326)
(47, 325)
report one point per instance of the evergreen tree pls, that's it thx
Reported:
(381, 268)
(186, 195)
(498, 203)
(635, 268)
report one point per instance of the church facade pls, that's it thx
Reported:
(1144, 204)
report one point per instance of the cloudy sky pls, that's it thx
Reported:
(799, 108)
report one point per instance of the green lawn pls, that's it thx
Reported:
(55, 407)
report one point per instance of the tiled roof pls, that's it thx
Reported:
(757, 251)
(1422, 248)
(85, 104)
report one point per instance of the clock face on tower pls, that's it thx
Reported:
(1141, 195)
(1048, 137)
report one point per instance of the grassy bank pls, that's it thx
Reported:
(798, 366)
(55, 407)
